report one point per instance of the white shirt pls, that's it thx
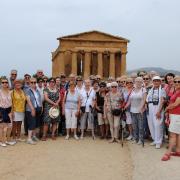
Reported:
(87, 101)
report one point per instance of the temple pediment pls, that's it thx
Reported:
(93, 35)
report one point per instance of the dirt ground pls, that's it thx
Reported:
(66, 160)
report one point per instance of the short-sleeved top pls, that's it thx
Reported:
(136, 99)
(35, 98)
(154, 95)
(5, 99)
(18, 101)
(87, 98)
(114, 100)
(72, 100)
(175, 110)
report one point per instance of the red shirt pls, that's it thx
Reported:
(175, 110)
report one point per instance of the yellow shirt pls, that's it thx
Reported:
(18, 101)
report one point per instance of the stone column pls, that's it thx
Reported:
(112, 64)
(123, 63)
(100, 64)
(61, 63)
(74, 63)
(87, 64)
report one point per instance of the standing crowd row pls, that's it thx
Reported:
(148, 103)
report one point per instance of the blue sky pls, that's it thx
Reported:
(29, 28)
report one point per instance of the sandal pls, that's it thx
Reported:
(43, 138)
(53, 138)
(175, 154)
(166, 157)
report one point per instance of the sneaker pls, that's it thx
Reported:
(11, 143)
(158, 146)
(76, 137)
(30, 141)
(67, 137)
(20, 140)
(34, 138)
(3, 144)
(81, 137)
(153, 144)
(139, 142)
(129, 138)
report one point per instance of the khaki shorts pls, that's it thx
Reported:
(102, 120)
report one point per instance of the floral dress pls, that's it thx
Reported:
(53, 96)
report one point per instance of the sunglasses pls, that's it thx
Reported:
(33, 82)
(129, 82)
(114, 86)
(145, 78)
(4, 82)
(176, 81)
(14, 74)
(118, 81)
(78, 80)
(45, 81)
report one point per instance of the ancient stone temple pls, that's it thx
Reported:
(89, 53)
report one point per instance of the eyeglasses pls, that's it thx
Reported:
(118, 81)
(129, 82)
(33, 82)
(122, 81)
(177, 82)
(40, 81)
(78, 80)
(145, 78)
(52, 81)
(4, 82)
(114, 86)
(13, 74)
(45, 81)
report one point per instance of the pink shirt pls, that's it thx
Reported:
(5, 100)
(175, 110)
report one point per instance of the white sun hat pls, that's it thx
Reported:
(156, 78)
(54, 112)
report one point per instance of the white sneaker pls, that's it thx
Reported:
(76, 137)
(30, 141)
(129, 138)
(139, 142)
(20, 140)
(3, 144)
(153, 144)
(34, 138)
(67, 137)
(11, 143)
(158, 146)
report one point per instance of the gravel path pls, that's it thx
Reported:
(66, 160)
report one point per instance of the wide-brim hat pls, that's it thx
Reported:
(54, 112)
(156, 78)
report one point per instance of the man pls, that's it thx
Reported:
(87, 105)
(26, 82)
(39, 74)
(12, 78)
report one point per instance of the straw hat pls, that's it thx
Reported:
(54, 112)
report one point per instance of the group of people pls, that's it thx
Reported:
(148, 103)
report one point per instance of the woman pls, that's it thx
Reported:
(71, 109)
(52, 99)
(5, 111)
(137, 102)
(127, 93)
(102, 121)
(155, 100)
(33, 112)
(112, 109)
(174, 127)
(18, 109)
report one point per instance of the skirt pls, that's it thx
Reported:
(18, 116)
(174, 126)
